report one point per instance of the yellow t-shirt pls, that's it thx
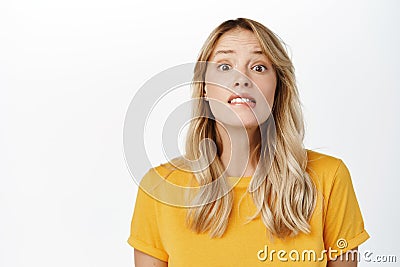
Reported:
(158, 229)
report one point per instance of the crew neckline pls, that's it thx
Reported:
(239, 181)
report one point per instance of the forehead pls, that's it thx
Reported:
(239, 39)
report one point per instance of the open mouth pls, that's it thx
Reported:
(242, 100)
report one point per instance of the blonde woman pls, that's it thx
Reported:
(261, 198)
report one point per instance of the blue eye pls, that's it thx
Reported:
(259, 68)
(224, 67)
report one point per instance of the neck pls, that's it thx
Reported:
(238, 144)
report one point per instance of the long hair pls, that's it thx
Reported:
(284, 193)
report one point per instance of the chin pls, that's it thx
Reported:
(248, 124)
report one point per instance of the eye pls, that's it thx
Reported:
(224, 67)
(259, 68)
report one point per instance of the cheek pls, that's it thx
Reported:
(217, 92)
(267, 90)
(269, 96)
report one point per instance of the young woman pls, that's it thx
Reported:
(259, 197)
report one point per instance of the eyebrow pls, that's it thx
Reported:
(230, 51)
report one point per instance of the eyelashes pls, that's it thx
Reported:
(224, 67)
(257, 68)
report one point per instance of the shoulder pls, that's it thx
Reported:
(169, 172)
(325, 169)
(168, 183)
(322, 162)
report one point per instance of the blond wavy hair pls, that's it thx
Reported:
(282, 190)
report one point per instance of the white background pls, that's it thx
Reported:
(69, 69)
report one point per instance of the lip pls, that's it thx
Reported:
(233, 96)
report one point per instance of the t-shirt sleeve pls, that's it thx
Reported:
(144, 232)
(344, 226)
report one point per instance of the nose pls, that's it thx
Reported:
(241, 81)
(237, 84)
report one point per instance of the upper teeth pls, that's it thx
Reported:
(241, 100)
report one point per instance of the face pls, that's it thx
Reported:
(240, 80)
